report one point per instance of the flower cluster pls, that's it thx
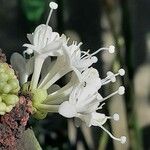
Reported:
(50, 57)
(9, 87)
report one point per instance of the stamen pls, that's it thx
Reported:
(114, 117)
(121, 72)
(85, 53)
(111, 50)
(53, 6)
(94, 59)
(122, 139)
(112, 77)
(120, 91)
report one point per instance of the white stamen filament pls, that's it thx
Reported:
(110, 49)
(111, 77)
(85, 53)
(122, 139)
(53, 6)
(120, 91)
(114, 117)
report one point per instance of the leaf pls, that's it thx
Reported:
(28, 141)
(33, 9)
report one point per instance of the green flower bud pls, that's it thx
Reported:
(13, 83)
(3, 76)
(10, 99)
(2, 69)
(0, 99)
(15, 91)
(2, 84)
(2, 107)
(2, 113)
(7, 88)
(9, 108)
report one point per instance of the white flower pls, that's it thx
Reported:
(84, 101)
(84, 107)
(43, 40)
(81, 60)
(73, 59)
(44, 43)
(84, 97)
(62, 94)
(98, 119)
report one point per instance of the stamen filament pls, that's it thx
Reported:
(107, 97)
(103, 48)
(112, 136)
(53, 6)
(49, 16)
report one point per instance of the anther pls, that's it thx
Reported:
(116, 117)
(53, 5)
(121, 90)
(111, 49)
(121, 72)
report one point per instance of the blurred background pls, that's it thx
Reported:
(97, 23)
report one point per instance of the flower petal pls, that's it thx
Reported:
(67, 110)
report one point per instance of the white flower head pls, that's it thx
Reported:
(79, 59)
(44, 43)
(85, 100)
(43, 39)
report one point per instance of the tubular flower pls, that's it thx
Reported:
(83, 103)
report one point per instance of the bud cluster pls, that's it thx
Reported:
(9, 87)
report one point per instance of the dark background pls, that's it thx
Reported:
(97, 23)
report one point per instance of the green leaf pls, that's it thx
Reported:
(28, 141)
(33, 9)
